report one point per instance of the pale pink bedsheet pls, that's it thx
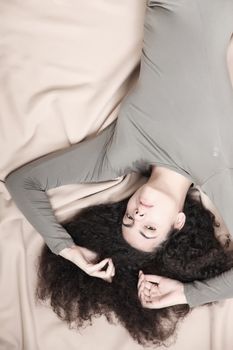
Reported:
(65, 67)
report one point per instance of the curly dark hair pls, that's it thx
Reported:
(192, 253)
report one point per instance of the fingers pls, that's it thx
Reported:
(154, 304)
(148, 291)
(110, 272)
(141, 278)
(151, 299)
(147, 281)
(153, 278)
(144, 290)
(150, 278)
(95, 270)
(97, 267)
(145, 287)
(154, 292)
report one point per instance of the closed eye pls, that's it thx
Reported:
(141, 233)
(147, 237)
(150, 228)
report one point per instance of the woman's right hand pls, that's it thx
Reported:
(84, 259)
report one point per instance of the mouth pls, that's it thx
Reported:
(146, 205)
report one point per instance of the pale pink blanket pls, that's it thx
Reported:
(65, 67)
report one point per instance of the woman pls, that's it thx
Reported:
(173, 124)
(191, 254)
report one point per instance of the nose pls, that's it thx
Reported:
(139, 213)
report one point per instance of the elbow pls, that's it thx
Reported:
(21, 180)
(13, 181)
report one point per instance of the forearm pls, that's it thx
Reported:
(214, 289)
(35, 205)
(83, 162)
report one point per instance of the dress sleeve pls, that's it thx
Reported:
(214, 289)
(219, 189)
(84, 162)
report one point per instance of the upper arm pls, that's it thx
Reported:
(79, 163)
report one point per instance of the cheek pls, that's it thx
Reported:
(139, 242)
(167, 210)
(128, 237)
(132, 202)
(162, 218)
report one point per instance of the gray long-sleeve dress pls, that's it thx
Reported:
(179, 115)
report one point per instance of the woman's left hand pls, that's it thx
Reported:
(156, 292)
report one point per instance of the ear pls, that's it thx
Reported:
(180, 221)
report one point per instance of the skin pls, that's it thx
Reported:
(155, 208)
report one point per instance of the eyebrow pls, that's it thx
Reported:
(141, 233)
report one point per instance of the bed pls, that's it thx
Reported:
(65, 67)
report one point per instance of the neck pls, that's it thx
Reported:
(171, 182)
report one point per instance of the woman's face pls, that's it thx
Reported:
(149, 217)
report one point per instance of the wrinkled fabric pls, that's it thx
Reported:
(60, 83)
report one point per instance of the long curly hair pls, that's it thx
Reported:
(192, 253)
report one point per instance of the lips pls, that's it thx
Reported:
(146, 205)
